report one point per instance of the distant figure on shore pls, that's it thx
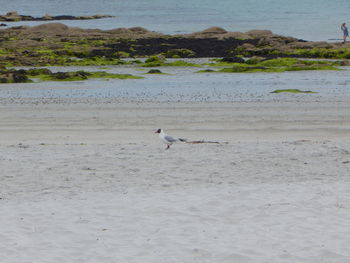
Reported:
(344, 28)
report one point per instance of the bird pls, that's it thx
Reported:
(167, 139)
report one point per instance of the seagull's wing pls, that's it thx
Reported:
(170, 138)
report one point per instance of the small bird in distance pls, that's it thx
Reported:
(167, 139)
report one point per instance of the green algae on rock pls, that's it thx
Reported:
(80, 75)
(44, 74)
(275, 65)
(55, 44)
(13, 76)
(179, 53)
(159, 61)
(292, 91)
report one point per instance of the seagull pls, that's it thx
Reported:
(167, 139)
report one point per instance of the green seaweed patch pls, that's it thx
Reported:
(78, 75)
(338, 53)
(159, 61)
(250, 69)
(179, 53)
(206, 71)
(95, 61)
(222, 64)
(178, 63)
(255, 60)
(311, 67)
(242, 69)
(105, 75)
(122, 54)
(289, 62)
(181, 63)
(316, 52)
(277, 65)
(153, 61)
(292, 91)
(278, 62)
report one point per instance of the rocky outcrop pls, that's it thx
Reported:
(58, 32)
(201, 47)
(56, 43)
(13, 76)
(15, 17)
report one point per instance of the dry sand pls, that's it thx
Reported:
(91, 182)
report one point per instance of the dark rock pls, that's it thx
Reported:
(20, 76)
(154, 71)
(64, 17)
(39, 71)
(233, 60)
(61, 75)
(200, 47)
(13, 76)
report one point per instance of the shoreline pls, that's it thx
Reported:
(130, 121)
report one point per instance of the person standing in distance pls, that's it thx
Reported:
(344, 28)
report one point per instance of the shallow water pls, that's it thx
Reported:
(184, 84)
(310, 20)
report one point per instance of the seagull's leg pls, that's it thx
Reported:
(167, 147)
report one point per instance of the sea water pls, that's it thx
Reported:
(305, 19)
(185, 85)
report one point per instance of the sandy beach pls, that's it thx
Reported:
(89, 181)
(263, 87)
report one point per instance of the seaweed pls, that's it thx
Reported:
(291, 91)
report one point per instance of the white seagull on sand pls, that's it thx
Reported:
(167, 139)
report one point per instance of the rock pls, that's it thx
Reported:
(20, 76)
(259, 33)
(50, 27)
(179, 53)
(211, 32)
(14, 16)
(154, 71)
(39, 71)
(42, 31)
(12, 13)
(13, 76)
(237, 35)
(64, 17)
(139, 30)
(55, 43)
(233, 59)
(101, 16)
(214, 30)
